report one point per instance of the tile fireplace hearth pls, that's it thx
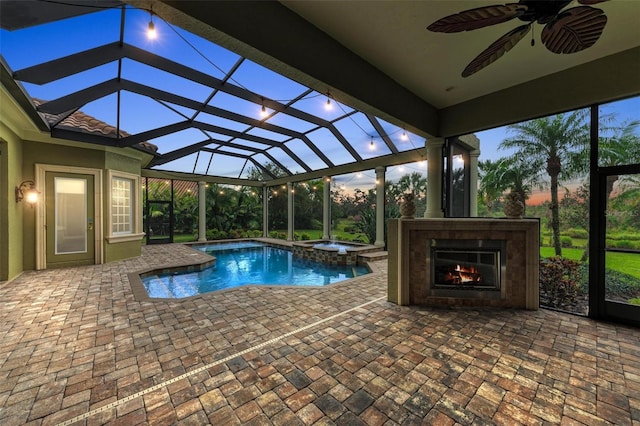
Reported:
(464, 262)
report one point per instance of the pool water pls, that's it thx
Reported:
(245, 263)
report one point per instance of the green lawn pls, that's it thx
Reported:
(628, 263)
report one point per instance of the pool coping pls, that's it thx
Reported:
(140, 293)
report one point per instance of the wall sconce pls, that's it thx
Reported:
(27, 191)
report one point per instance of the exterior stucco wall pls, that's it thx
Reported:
(11, 213)
(61, 155)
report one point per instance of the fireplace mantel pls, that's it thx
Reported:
(409, 242)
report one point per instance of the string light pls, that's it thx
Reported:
(372, 145)
(328, 106)
(263, 110)
(151, 29)
(404, 136)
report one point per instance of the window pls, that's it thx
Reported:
(121, 206)
(124, 219)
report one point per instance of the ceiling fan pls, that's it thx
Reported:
(568, 31)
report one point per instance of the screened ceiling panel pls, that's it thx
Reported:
(216, 136)
(165, 81)
(356, 127)
(183, 164)
(331, 147)
(232, 103)
(200, 104)
(184, 112)
(293, 123)
(316, 104)
(83, 80)
(303, 150)
(103, 109)
(227, 165)
(41, 43)
(251, 144)
(234, 150)
(402, 139)
(222, 122)
(178, 45)
(269, 84)
(177, 140)
(285, 160)
(132, 103)
(279, 137)
(203, 162)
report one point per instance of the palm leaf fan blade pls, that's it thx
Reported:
(496, 50)
(591, 1)
(574, 30)
(477, 18)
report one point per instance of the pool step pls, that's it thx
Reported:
(371, 257)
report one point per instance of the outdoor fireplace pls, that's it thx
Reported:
(466, 264)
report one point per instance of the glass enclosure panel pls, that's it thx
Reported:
(458, 181)
(622, 255)
(159, 221)
(619, 133)
(70, 215)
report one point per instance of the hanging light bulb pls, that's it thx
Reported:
(404, 136)
(372, 145)
(263, 110)
(151, 29)
(328, 106)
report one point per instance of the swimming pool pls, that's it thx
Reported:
(244, 263)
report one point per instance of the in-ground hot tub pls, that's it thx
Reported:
(332, 252)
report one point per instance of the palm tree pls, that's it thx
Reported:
(622, 147)
(492, 186)
(558, 142)
(415, 183)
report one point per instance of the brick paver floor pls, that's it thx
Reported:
(76, 347)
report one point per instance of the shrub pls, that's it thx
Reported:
(626, 236)
(214, 234)
(627, 244)
(566, 242)
(316, 224)
(305, 237)
(635, 301)
(273, 234)
(620, 286)
(560, 280)
(577, 233)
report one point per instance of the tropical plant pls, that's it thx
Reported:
(414, 183)
(558, 142)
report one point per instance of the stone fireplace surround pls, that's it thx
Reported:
(409, 247)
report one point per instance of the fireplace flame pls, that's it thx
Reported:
(463, 275)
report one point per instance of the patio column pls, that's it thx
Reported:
(290, 211)
(473, 182)
(326, 208)
(380, 178)
(265, 211)
(202, 211)
(434, 177)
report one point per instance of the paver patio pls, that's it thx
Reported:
(76, 347)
